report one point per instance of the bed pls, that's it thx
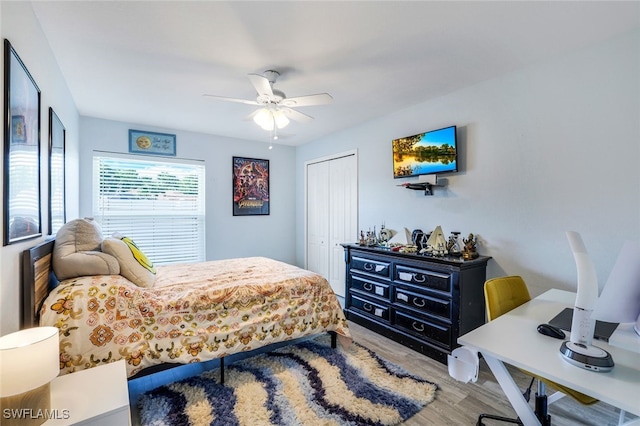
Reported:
(193, 313)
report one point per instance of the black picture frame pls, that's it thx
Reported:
(57, 187)
(21, 189)
(250, 186)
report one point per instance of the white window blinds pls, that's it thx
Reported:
(160, 204)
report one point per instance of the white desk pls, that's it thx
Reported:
(513, 339)
(625, 337)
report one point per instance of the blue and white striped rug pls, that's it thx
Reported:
(307, 383)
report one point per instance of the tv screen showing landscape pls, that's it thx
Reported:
(425, 153)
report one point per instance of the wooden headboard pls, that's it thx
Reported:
(37, 280)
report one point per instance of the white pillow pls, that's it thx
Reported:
(134, 264)
(76, 252)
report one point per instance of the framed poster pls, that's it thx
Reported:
(21, 191)
(142, 142)
(250, 186)
(57, 136)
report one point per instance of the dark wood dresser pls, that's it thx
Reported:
(422, 302)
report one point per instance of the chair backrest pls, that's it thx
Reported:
(503, 294)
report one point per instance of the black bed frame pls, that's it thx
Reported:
(38, 280)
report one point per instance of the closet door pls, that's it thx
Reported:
(318, 218)
(343, 217)
(332, 216)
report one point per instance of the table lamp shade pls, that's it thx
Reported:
(28, 359)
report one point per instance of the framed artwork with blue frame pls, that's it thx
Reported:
(152, 143)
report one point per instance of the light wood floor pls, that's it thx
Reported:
(455, 404)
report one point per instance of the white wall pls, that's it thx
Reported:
(227, 235)
(551, 148)
(546, 149)
(19, 25)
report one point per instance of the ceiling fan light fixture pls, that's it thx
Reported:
(281, 119)
(264, 119)
(275, 109)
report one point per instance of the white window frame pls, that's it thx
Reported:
(169, 227)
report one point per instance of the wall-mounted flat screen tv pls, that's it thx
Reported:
(426, 153)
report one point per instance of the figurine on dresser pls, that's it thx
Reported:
(470, 247)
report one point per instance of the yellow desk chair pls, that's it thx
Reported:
(502, 295)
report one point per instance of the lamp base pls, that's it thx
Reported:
(30, 408)
(588, 357)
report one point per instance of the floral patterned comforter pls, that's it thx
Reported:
(194, 312)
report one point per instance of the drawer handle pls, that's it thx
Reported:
(419, 278)
(372, 267)
(412, 277)
(367, 307)
(419, 305)
(419, 327)
(367, 286)
(405, 276)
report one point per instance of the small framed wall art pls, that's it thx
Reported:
(153, 143)
(250, 186)
(57, 196)
(22, 218)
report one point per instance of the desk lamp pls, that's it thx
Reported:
(620, 298)
(579, 350)
(29, 361)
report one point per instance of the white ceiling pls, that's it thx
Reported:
(150, 62)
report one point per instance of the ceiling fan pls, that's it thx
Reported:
(276, 109)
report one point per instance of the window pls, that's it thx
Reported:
(160, 204)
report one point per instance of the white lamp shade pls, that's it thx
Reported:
(281, 119)
(28, 359)
(264, 119)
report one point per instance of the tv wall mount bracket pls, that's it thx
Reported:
(426, 184)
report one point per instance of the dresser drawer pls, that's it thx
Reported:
(424, 278)
(371, 287)
(369, 266)
(370, 308)
(427, 304)
(436, 333)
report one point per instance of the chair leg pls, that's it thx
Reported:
(499, 418)
(526, 394)
(541, 405)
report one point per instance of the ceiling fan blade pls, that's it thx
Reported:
(223, 98)
(262, 85)
(296, 115)
(308, 100)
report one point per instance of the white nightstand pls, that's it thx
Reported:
(97, 396)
